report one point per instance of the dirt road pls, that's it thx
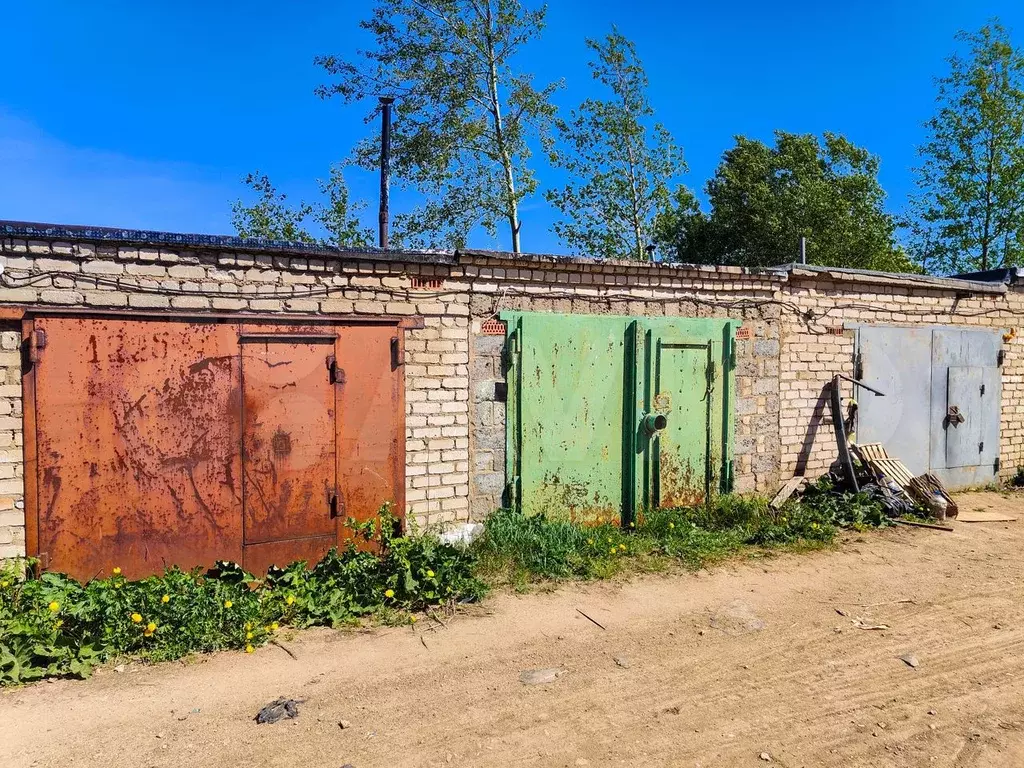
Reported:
(697, 683)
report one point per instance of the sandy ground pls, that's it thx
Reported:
(699, 684)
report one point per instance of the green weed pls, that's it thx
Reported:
(55, 626)
(518, 550)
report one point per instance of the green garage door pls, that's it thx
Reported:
(610, 414)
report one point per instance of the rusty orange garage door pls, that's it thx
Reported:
(157, 441)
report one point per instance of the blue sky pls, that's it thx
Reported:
(148, 114)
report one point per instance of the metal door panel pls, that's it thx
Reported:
(956, 348)
(371, 433)
(579, 387)
(288, 442)
(569, 419)
(922, 372)
(963, 439)
(137, 445)
(260, 557)
(971, 390)
(684, 393)
(898, 362)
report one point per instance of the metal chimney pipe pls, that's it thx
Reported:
(803, 249)
(385, 169)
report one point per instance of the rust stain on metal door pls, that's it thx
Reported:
(158, 442)
(289, 458)
(137, 464)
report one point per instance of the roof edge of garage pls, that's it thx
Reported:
(773, 273)
(124, 236)
(955, 284)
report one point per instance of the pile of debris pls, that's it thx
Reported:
(868, 468)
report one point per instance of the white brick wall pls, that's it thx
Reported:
(454, 434)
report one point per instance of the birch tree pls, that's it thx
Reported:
(621, 164)
(969, 213)
(465, 113)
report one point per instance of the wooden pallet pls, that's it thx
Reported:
(880, 463)
(917, 489)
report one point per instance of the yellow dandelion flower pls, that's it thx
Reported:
(289, 599)
(248, 635)
(5, 584)
(118, 585)
(146, 633)
(622, 547)
(151, 627)
(54, 606)
(117, 571)
(248, 625)
(136, 618)
(228, 603)
(412, 619)
(430, 574)
(165, 599)
(613, 550)
(249, 649)
(274, 627)
(671, 525)
(389, 593)
(632, 524)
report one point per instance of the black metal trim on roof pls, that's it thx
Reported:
(114, 235)
(1005, 275)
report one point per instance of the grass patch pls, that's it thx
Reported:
(56, 626)
(518, 551)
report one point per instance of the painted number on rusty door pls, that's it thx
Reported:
(288, 451)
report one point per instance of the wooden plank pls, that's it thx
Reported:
(787, 490)
(984, 516)
(924, 525)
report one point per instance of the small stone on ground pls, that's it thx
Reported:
(540, 676)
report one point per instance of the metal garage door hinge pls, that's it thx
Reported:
(511, 351)
(397, 353)
(335, 373)
(36, 344)
(336, 505)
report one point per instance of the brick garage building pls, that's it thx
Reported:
(796, 328)
(833, 307)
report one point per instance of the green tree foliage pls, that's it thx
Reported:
(620, 164)
(763, 199)
(969, 213)
(272, 218)
(465, 114)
